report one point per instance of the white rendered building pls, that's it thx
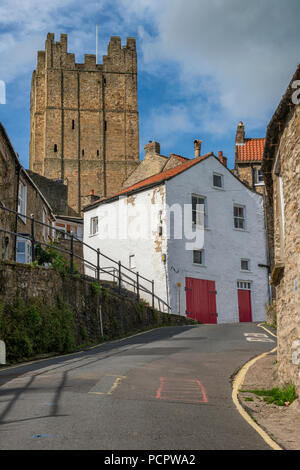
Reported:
(221, 278)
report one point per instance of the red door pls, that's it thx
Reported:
(245, 311)
(201, 300)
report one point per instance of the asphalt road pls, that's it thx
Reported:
(168, 389)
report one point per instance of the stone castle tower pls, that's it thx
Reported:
(84, 119)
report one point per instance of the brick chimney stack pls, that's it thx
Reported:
(240, 133)
(152, 148)
(197, 146)
(222, 159)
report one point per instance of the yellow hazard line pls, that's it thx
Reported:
(238, 383)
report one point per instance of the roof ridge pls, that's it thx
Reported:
(156, 178)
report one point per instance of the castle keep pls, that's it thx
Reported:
(84, 119)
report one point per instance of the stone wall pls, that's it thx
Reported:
(120, 315)
(84, 118)
(245, 174)
(11, 175)
(287, 251)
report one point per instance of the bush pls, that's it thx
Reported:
(30, 328)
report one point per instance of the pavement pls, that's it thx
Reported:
(167, 389)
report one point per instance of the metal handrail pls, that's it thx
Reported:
(117, 272)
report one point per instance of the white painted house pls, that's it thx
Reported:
(222, 280)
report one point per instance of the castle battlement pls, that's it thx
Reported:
(56, 55)
(84, 118)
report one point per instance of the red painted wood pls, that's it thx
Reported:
(201, 300)
(245, 311)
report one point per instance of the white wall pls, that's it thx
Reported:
(119, 243)
(224, 246)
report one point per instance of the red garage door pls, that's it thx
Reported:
(244, 298)
(201, 300)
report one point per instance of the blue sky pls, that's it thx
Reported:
(204, 65)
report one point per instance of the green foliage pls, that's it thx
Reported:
(30, 328)
(50, 256)
(277, 396)
(96, 288)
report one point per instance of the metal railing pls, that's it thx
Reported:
(121, 276)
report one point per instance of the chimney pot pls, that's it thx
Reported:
(92, 192)
(197, 146)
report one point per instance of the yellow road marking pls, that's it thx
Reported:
(238, 383)
(264, 328)
(115, 385)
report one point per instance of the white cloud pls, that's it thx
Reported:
(228, 60)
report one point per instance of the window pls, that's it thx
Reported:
(260, 177)
(105, 125)
(23, 252)
(22, 203)
(55, 147)
(199, 210)
(198, 257)
(244, 285)
(98, 153)
(73, 124)
(239, 217)
(82, 152)
(94, 226)
(132, 262)
(245, 265)
(218, 181)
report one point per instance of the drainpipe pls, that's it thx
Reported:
(16, 209)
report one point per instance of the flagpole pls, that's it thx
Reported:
(96, 44)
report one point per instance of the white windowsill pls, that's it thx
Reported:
(240, 229)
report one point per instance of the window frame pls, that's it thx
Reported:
(22, 201)
(202, 257)
(222, 180)
(248, 264)
(244, 285)
(27, 253)
(194, 222)
(92, 226)
(132, 259)
(239, 206)
(259, 174)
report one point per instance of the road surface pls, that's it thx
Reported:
(167, 389)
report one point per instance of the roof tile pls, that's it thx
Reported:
(252, 150)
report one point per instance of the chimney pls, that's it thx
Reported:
(152, 148)
(222, 159)
(197, 146)
(240, 133)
